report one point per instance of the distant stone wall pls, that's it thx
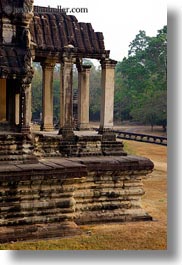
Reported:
(51, 198)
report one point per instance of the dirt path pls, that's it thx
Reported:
(145, 129)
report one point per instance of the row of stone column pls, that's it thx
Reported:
(23, 102)
(15, 104)
(66, 97)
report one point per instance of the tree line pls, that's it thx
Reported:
(140, 84)
(141, 81)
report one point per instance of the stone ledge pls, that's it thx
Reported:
(78, 163)
(120, 163)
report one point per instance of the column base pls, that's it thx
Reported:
(66, 132)
(103, 129)
(107, 134)
(83, 127)
(47, 128)
(25, 129)
(110, 146)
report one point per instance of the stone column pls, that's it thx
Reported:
(83, 96)
(25, 107)
(47, 97)
(17, 108)
(107, 100)
(66, 97)
(62, 97)
(2, 100)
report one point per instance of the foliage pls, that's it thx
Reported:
(95, 93)
(141, 80)
(37, 92)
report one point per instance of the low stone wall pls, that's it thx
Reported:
(77, 146)
(112, 191)
(37, 200)
(51, 198)
(16, 148)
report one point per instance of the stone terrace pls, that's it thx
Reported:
(51, 198)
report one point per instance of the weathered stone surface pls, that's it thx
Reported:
(36, 201)
(77, 146)
(51, 198)
(76, 180)
(112, 190)
(45, 145)
(16, 148)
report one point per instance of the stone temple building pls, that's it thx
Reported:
(49, 38)
(50, 184)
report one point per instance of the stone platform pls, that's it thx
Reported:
(53, 197)
(83, 143)
(16, 148)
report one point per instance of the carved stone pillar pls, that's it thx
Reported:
(47, 97)
(83, 96)
(2, 100)
(25, 98)
(25, 107)
(12, 87)
(107, 102)
(62, 98)
(66, 97)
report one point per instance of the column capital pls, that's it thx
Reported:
(84, 68)
(108, 63)
(27, 80)
(48, 65)
(67, 60)
(68, 56)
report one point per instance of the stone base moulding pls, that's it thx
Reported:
(53, 197)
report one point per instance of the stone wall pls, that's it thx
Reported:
(36, 201)
(112, 191)
(77, 146)
(16, 148)
(53, 197)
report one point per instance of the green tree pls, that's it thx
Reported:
(141, 80)
(139, 44)
(95, 93)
